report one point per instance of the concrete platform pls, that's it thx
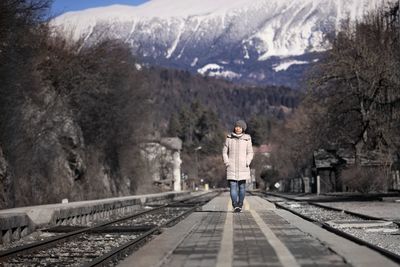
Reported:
(19, 222)
(259, 236)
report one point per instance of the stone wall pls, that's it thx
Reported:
(5, 183)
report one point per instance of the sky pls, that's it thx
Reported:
(61, 6)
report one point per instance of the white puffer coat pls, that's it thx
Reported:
(238, 154)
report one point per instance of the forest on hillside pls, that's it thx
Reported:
(177, 88)
(352, 103)
(72, 118)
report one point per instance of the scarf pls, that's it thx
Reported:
(237, 135)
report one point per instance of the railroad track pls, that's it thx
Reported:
(105, 243)
(326, 217)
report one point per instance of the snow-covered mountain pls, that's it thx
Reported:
(263, 41)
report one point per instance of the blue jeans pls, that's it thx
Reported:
(238, 190)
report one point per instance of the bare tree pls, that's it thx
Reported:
(358, 83)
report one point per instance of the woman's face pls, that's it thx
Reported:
(238, 130)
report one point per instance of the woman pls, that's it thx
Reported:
(237, 154)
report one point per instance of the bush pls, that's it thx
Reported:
(364, 179)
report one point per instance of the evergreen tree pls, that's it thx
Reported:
(174, 126)
(259, 129)
(187, 123)
(211, 136)
(197, 126)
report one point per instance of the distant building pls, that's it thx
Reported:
(164, 162)
(264, 149)
(324, 173)
(328, 165)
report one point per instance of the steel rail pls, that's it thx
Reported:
(4, 255)
(104, 259)
(393, 256)
(330, 198)
(363, 216)
(65, 237)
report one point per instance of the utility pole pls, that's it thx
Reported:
(197, 162)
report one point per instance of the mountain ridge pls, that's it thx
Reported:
(229, 38)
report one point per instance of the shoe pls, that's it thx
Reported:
(237, 209)
(240, 209)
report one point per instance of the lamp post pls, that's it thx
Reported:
(197, 163)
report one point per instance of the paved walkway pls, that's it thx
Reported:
(259, 236)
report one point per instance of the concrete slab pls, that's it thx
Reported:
(200, 247)
(284, 254)
(382, 230)
(356, 255)
(251, 247)
(225, 254)
(45, 214)
(12, 220)
(18, 222)
(359, 224)
(307, 250)
(13, 226)
(157, 251)
(257, 203)
(385, 210)
(219, 203)
(259, 236)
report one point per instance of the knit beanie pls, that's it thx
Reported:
(242, 124)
